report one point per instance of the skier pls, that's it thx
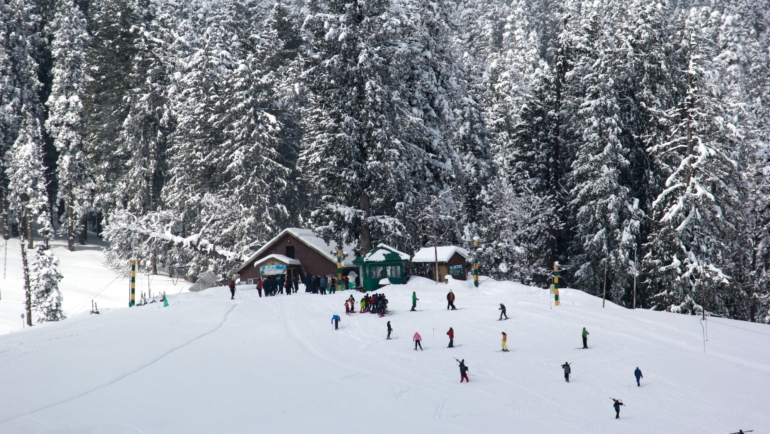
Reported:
(463, 371)
(567, 371)
(417, 338)
(259, 286)
(505, 340)
(308, 283)
(323, 282)
(617, 405)
(363, 304)
(585, 338)
(347, 307)
(296, 283)
(232, 289)
(336, 321)
(414, 301)
(502, 312)
(451, 334)
(390, 329)
(638, 375)
(450, 300)
(280, 284)
(333, 285)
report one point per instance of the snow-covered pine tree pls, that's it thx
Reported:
(109, 64)
(44, 285)
(606, 217)
(65, 122)
(695, 218)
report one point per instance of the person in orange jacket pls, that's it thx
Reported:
(451, 334)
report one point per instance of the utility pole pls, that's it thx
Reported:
(604, 291)
(435, 246)
(636, 273)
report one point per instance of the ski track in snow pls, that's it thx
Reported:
(130, 373)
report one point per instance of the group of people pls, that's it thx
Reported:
(324, 284)
(375, 303)
(273, 285)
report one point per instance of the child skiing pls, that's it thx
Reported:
(567, 371)
(463, 371)
(414, 301)
(502, 312)
(585, 338)
(638, 375)
(336, 321)
(390, 329)
(450, 299)
(505, 340)
(417, 338)
(451, 334)
(617, 405)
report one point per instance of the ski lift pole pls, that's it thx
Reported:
(556, 283)
(132, 295)
(476, 262)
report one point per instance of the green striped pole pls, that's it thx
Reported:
(132, 300)
(476, 262)
(339, 268)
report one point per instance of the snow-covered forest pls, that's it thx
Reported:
(623, 138)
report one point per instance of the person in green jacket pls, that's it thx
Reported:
(414, 300)
(585, 338)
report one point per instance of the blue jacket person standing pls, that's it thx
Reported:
(638, 375)
(336, 321)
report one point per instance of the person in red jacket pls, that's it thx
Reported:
(417, 338)
(259, 286)
(451, 334)
(232, 289)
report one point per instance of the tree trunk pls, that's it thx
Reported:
(366, 236)
(28, 228)
(154, 264)
(70, 222)
(83, 229)
(27, 287)
(99, 218)
(6, 229)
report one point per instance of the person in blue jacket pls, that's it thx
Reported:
(638, 375)
(336, 321)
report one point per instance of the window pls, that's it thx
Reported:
(290, 252)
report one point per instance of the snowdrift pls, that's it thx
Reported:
(207, 364)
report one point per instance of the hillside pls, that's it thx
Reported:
(207, 364)
(86, 278)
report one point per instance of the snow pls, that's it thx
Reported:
(428, 254)
(208, 364)
(285, 259)
(378, 254)
(316, 243)
(86, 278)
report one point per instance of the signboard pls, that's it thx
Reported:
(272, 270)
(456, 270)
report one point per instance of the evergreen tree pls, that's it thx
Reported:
(65, 122)
(44, 282)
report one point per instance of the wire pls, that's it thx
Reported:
(95, 294)
(741, 328)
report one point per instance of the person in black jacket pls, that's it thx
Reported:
(502, 312)
(617, 405)
(463, 371)
(390, 329)
(450, 300)
(567, 371)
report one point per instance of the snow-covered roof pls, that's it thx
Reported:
(313, 241)
(285, 259)
(428, 254)
(378, 254)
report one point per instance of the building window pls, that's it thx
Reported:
(290, 252)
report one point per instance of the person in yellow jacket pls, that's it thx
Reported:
(505, 339)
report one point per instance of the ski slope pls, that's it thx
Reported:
(86, 278)
(208, 364)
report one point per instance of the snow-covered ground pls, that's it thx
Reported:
(207, 364)
(86, 278)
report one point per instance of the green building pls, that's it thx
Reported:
(380, 263)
